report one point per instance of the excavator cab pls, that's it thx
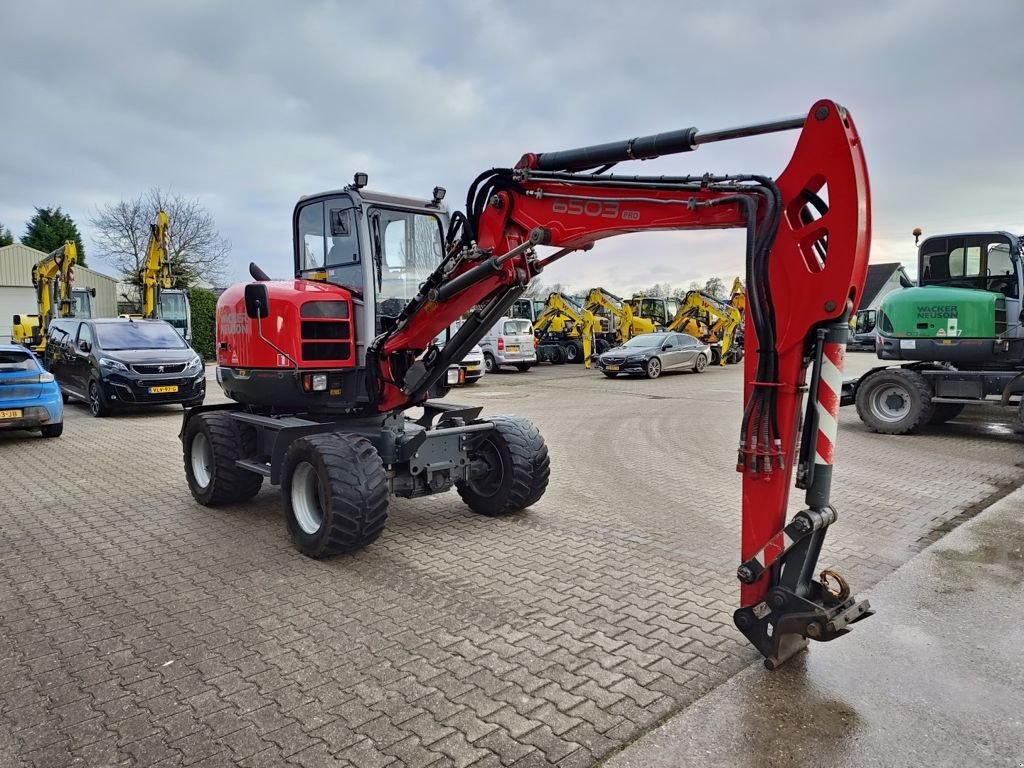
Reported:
(381, 247)
(173, 307)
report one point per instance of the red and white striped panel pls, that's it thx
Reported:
(830, 387)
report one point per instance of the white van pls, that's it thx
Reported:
(509, 342)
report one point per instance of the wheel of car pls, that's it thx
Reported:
(524, 367)
(64, 397)
(97, 402)
(700, 364)
(53, 430)
(653, 368)
(490, 365)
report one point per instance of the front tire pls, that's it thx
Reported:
(653, 369)
(490, 364)
(896, 401)
(700, 364)
(945, 412)
(98, 405)
(557, 356)
(212, 444)
(512, 466)
(336, 493)
(574, 352)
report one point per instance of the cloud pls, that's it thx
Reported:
(248, 106)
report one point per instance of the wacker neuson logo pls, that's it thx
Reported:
(936, 311)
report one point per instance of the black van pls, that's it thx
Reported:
(115, 362)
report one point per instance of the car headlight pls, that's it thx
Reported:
(636, 358)
(194, 365)
(113, 365)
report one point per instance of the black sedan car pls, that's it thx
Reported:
(649, 354)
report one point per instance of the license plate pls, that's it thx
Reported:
(163, 390)
(513, 347)
(14, 413)
(612, 368)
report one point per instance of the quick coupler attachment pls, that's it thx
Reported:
(780, 625)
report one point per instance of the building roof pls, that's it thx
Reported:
(16, 262)
(878, 276)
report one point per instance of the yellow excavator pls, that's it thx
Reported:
(712, 321)
(622, 325)
(160, 299)
(564, 331)
(53, 279)
(660, 310)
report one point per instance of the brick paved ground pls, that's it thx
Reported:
(137, 628)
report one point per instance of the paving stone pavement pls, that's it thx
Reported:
(138, 628)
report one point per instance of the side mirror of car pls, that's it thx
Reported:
(667, 346)
(84, 345)
(257, 300)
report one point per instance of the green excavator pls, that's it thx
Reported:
(958, 334)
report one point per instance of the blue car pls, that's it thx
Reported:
(29, 395)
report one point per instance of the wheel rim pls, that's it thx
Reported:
(94, 398)
(306, 502)
(653, 367)
(489, 364)
(701, 362)
(890, 403)
(489, 483)
(571, 354)
(201, 460)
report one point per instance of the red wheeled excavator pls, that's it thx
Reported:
(337, 383)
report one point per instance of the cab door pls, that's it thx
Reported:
(81, 365)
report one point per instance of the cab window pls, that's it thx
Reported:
(970, 261)
(312, 242)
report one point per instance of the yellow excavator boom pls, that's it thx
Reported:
(156, 273)
(53, 278)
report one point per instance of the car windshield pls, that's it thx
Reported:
(13, 360)
(646, 340)
(114, 336)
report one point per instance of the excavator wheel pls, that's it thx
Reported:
(574, 352)
(557, 355)
(602, 346)
(945, 412)
(895, 401)
(212, 444)
(335, 493)
(512, 468)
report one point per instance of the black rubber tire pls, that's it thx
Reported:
(65, 397)
(914, 388)
(653, 368)
(574, 352)
(524, 367)
(352, 493)
(601, 346)
(610, 375)
(52, 430)
(518, 447)
(716, 355)
(490, 364)
(229, 440)
(700, 364)
(735, 356)
(945, 412)
(557, 356)
(98, 405)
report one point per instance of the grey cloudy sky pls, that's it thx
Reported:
(248, 105)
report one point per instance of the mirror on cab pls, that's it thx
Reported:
(257, 300)
(84, 345)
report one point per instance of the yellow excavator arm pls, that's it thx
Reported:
(53, 278)
(708, 319)
(156, 274)
(627, 324)
(562, 315)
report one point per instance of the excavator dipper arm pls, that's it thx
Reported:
(806, 264)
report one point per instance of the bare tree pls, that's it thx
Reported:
(715, 286)
(195, 248)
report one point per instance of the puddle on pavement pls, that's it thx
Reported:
(998, 555)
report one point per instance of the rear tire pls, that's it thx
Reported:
(517, 464)
(52, 430)
(335, 493)
(213, 443)
(895, 401)
(945, 412)
(700, 364)
(557, 356)
(490, 365)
